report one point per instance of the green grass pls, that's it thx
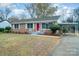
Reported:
(24, 45)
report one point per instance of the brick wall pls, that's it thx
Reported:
(22, 29)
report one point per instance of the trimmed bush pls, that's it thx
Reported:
(54, 28)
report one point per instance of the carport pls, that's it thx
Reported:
(71, 27)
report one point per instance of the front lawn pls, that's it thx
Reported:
(22, 44)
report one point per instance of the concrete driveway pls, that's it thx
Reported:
(69, 46)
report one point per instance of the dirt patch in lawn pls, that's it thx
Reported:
(27, 45)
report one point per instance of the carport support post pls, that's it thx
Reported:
(76, 29)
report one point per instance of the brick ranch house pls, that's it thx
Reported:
(32, 25)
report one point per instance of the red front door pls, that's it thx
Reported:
(37, 26)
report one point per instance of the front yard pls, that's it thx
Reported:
(24, 45)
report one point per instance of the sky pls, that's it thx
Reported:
(71, 5)
(17, 9)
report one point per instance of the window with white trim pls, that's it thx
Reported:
(46, 25)
(30, 25)
(16, 26)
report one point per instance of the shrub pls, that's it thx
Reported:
(1, 29)
(7, 29)
(54, 27)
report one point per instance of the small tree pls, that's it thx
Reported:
(54, 28)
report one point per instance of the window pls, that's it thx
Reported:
(30, 25)
(45, 25)
(16, 26)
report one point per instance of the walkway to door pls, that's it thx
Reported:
(69, 46)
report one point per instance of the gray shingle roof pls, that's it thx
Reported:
(34, 19)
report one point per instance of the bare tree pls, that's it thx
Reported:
(45, 9)
(30, 8)
(76, 13)
(7, 12)
(4, 15)
(1, 16)
(40, 9)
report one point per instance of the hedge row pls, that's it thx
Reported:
(6, 29)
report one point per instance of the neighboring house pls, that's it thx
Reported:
(32, 25)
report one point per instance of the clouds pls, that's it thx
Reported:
(61, 9)
(4, 4)
(64, 12)
(18, 11)
(12, 6)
